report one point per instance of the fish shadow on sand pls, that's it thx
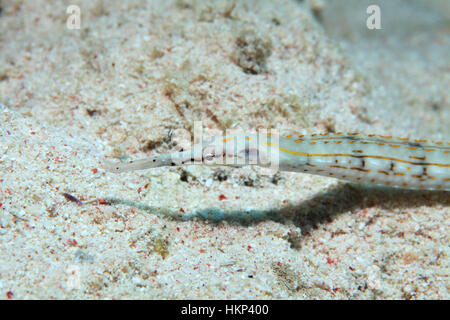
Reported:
(309, 214)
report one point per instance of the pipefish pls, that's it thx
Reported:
(371, 159)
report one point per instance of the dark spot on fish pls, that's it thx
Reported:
(414, 144)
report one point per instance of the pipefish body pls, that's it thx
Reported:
(372, 159)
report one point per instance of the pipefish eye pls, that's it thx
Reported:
(209, 153)
(209, 156)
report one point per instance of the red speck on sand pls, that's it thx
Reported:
(72, 242)
(222, 197)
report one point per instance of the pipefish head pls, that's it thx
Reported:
(236, 150)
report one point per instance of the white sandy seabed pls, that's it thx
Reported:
(137, 72)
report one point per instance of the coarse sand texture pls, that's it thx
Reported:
(134, 80)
